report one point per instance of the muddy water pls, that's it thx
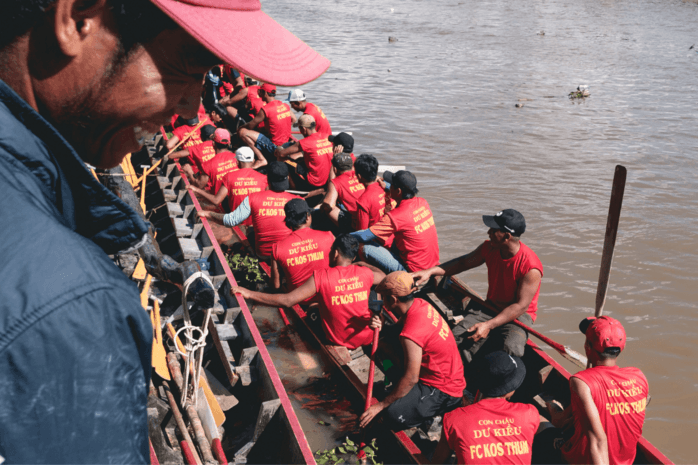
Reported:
(441, 100)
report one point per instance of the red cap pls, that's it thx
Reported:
(603, 332)
(269, 88)
(221, 136)
(242, 35)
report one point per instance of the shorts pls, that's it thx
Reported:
(267, 147)
(419, 405)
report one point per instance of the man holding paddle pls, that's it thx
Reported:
(604, 420)
(89, 82)
(432, 382)
(514, 274)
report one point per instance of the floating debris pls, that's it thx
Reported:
(519, 105)
(392, 39)
(541, 33)
(581, 92)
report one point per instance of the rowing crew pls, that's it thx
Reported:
(392, 230)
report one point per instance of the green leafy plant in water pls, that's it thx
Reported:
(247, 267)
(348, 452)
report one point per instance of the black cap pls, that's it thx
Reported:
(508, 220)
(207, 132)
(342, 161)
(277, 176)
(343, 139)
(388, 176)
(404, 180)
(501, 373)
(296, 208)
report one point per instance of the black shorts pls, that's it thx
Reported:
(422, 403)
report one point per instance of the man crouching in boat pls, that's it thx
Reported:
(514, 274)
(89, 81)
(433, 381)
(604, 420)
(493, 429)
(343, 292)
(411, 224)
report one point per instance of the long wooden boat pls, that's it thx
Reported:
(546, 379)
(258, 423)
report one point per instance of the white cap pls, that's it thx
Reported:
(296, 95)
(244, 154)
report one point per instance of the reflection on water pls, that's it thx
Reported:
(441, 100)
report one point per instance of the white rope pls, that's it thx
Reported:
(191, 343)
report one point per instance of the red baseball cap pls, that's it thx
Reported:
(603, 332)
(244, 36)
(221, 136)
(268, 88)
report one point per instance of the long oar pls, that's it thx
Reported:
(571, 355)
(610, 240)
(371, 370)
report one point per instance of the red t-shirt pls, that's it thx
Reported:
(504, 276)
(412, 223)
(317, 156)
(278, 121)
(349, 189)
(268, 217)
(302, 253)
(252, 94)
(195, 139)
(344, 311)
(218, 167)
(370, 207)
(322, 126)
(492, 431)
(256, 105)
(201, 153)
(241, 183)
(620, 395)
(442, 367)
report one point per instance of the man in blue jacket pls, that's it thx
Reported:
(87, 81)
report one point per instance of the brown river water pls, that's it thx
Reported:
(441, 101)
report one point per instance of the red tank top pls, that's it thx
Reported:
(278, 121)
(268, 219)
(349, 189)
(415, 234)
(256, 105)
(218, 167)
(370, 207)
(322, 126)
(504, 276)
(620, 395)
(343, 292)
(492, 431)
(302, 253)
(442, 367)
(241, 183)
(317, 156)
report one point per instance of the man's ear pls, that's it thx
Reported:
(75, 20)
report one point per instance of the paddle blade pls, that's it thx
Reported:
(611, 233)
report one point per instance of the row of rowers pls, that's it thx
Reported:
(315, 261)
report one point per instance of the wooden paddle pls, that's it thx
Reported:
(371, 370)
(610, 240)
(571, 355)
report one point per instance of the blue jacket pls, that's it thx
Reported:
(74, 340)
